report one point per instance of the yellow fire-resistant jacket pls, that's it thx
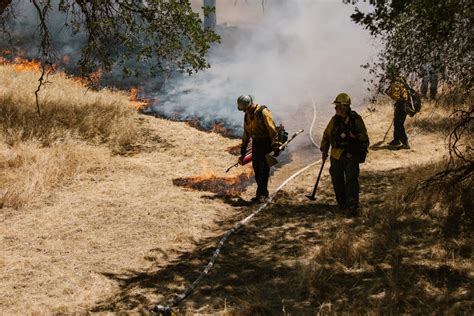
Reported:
(329, 135)
(255, 127)
(397, 90)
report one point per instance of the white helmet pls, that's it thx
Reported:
(244, 101)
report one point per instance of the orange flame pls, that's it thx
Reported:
(219, 129)
(95, 76)
(22, 64)
(222, 186)
(137, 102)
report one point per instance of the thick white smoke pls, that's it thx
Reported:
(283, 55)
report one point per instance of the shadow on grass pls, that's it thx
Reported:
(268, 267)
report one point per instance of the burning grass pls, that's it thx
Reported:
(222, 186)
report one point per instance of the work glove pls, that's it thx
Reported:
(241, 160)
(276, 149)
(325, 155)
(243, 151)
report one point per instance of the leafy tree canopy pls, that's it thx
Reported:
(434, 33)
(417, 33)
(163, 33)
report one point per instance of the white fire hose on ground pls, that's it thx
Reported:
(167, 309)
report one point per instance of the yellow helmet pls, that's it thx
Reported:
(343, 98)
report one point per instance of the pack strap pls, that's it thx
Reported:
(407, 87)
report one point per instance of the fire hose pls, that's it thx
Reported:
(167, 309)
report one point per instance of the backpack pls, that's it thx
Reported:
(281, 135)
(414, 106)
(355, 146)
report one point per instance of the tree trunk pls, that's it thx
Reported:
(210, 19)
(3, 5)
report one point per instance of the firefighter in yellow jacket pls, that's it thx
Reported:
(399, 93)
(260, 128)
(347, 136)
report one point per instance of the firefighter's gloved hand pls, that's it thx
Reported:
(243, 151)
(241, 160)
(276, 149)
(325, 155)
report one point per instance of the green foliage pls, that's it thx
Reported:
(416, 33)
(165, 34)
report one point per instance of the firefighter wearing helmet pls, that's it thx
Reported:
(260, 128)
(347, 137)
(398, 91)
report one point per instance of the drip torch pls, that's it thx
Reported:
(246, 160)
(270, 158)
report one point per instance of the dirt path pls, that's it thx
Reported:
(123, 237)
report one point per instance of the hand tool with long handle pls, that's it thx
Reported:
(311, 197)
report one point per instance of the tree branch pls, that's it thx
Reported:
(4, 4)
(45, 46)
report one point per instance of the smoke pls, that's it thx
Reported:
(24, 33)
(285, 55)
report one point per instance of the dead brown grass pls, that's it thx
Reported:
(39, 153)
(435, 117)
(30, 170)
(415, 255)
(67, 109)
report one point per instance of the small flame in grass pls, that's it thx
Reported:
(137, 102)
(219, 129)
(22, 64)
(222, 186)
(92, 80)
(95, 76)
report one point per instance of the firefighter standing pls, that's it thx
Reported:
(260, 128)
(347, 136)
(429, 77)
(399, 93)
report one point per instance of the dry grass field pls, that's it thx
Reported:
(91, 220)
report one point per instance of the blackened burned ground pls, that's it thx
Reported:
(221, 186)
(264, 269)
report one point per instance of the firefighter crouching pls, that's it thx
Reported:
(347, 136)
(260, 127)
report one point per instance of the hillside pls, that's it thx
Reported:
(95, 223)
